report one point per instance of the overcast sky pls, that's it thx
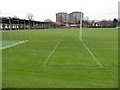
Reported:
(47, 9)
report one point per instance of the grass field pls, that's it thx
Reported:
(58, 59)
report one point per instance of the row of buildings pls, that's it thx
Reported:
(72, 19)
(62, 20)
(8, 23)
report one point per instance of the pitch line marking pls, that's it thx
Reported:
(94, 57)
(14, 44)
(54, 49)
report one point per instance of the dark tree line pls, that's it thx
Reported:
(103, 23)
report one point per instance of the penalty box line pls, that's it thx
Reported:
(13, 45)
(54, 49)
(94, 57)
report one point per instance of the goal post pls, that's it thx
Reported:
(0, 53)
(80, 35)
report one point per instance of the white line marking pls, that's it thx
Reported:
(49, 56)
(1, 48)
(94, 57)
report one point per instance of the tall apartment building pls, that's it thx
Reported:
(75, 17)
(72, 18)
(62, 17)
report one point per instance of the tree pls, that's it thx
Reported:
(30, 16)
(86, 22)
(115, 22)
(87, 18)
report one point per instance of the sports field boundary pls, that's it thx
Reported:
(51, 53)
(14, 44)
(94, 57)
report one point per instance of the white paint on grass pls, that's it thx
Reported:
(94, 57)
(51, 53)
(13, 45)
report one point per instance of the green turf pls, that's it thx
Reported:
(70, 66)
(5, 43)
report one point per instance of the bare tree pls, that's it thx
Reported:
(30, 16)
(87, 18)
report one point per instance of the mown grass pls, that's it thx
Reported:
(70, 66)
